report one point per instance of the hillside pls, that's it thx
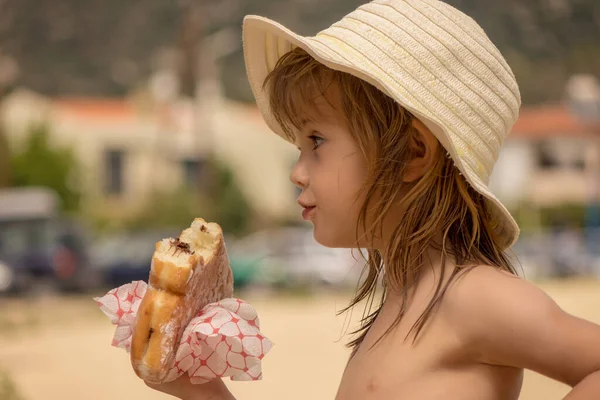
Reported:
(108, 47)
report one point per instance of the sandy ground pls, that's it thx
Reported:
(58, 348)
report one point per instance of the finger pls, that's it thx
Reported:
(176, 388)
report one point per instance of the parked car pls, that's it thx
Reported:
(12, 279)
(38, 245)
(125, 258)
(559, 253)
(292, 257)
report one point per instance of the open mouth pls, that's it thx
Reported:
(307, 212)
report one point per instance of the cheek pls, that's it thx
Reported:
(351, 179)
(342, 190)
(340, 197)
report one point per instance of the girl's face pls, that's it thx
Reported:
(331, 172)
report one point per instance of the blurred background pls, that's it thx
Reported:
(121, 121)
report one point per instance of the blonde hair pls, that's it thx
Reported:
(439, 202)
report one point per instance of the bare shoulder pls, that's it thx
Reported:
(489, 286)
(505, 320)
(485, 300)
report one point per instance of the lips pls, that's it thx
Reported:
(308, 209)
(307, 212)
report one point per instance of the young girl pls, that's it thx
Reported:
(399, 111)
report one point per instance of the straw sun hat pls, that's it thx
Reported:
(432, 59)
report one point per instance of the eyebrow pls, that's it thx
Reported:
(299, 132)
(320, 119)
(303, 122)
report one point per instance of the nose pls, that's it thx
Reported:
(299, 175)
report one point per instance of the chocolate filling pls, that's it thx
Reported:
(181, 247)
(150, 332)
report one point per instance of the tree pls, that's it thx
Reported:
(220, 200)
(169, 210)
(229, 203)
(8, 389)
(40, 164)
(5, 160)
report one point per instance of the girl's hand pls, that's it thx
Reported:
(183, 389)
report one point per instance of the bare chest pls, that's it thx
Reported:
(434, 367)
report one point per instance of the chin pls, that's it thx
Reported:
(333, 240)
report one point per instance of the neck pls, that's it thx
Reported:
(401, 277)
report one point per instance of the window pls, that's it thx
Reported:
(545, 158)
(563, 154)
(114, 171)
(192, 172)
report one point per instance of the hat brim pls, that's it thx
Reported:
(266, 41)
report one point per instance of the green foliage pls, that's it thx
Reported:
(566, 215)
(533, 219)
(8, 389)
(5, 163)
(231, 208)
(168, 210)
(221, 201)
(40, 164)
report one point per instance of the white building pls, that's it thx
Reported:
(127, 152)
(552, 157)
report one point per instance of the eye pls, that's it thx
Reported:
(317, 141)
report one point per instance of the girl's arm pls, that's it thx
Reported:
(588, 387)
(183, 389)
(508, 321)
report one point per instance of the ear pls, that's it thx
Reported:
(423, 148)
